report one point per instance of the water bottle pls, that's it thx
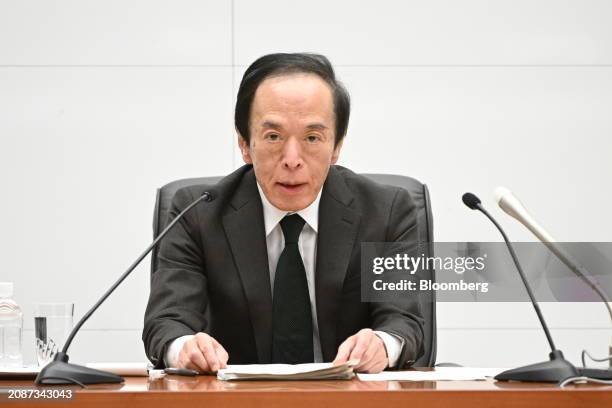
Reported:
(11, 323)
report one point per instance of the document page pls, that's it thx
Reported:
(309, 371)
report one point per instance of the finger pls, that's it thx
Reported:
(206, 347)
(378, 360)
(217, 345)
(221, 355)
(365, 360)
(191, 366)
(192, 357)
(366, 357)
(374, 364)
(362, 343)
(215, 342)
(344, 351)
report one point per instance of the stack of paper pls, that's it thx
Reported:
(310, 371)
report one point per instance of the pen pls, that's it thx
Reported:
(181, 371)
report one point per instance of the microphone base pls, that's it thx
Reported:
(61, 372)
(555, 370)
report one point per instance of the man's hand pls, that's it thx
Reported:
(366, 347)
(202, 353)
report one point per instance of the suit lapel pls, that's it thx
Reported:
(245, 231)
(338, 225)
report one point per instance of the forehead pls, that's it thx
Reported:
(294, 94)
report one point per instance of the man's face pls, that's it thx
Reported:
(292, 130)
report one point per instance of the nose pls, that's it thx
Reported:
(292, 155)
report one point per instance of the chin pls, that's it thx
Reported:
(291, 204)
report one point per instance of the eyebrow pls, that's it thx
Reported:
(277, 126)
(316, 126)
(270, 124)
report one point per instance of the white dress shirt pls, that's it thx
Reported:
(307, 244)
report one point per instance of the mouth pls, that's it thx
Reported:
(290, 187)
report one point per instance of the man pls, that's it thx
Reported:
(276, 256)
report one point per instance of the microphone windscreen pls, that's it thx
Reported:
(471, 200)
(501, 193)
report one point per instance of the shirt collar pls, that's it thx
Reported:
(273, 215)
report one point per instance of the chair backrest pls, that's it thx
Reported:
(418, 192)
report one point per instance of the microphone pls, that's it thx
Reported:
(471, 201)
(557, 368)
(513, 207)
(60, 371)
(508, 202)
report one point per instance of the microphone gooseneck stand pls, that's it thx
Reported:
(60, 371)
(557, 368)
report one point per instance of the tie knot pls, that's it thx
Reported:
(292, 226)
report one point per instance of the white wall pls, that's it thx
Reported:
(103, 101)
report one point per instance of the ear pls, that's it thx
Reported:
(245, 150)
(336, 152)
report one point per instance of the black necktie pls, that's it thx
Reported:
(291, 315)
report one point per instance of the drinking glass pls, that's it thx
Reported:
(52, 325)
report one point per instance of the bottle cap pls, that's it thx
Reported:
(6, 289)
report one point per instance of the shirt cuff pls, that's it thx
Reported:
(172, 353)
(393, 344)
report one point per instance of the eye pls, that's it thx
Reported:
(273, 137)
(312, 138)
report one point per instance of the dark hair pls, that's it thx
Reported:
(285, 64)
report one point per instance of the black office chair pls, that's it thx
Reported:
(418, 192)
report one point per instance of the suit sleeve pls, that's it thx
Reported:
(178, 297)
(402, 318)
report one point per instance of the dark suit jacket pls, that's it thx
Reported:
(216, 257)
